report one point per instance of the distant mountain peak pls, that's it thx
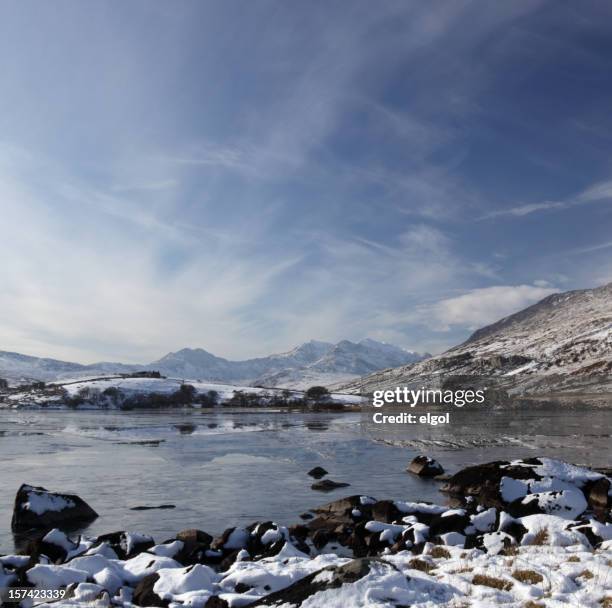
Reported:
(312, 362)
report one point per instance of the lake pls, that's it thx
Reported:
(225, 468)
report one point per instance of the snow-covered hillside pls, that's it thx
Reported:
(309, 364)
(113, 391)
(15, 366)
(562, 343)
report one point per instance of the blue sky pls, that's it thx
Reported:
(244, 176)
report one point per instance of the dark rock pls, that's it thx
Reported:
(327, 485)
(597, 494)
(185, 429)
(317, 472)
(242, 588)
(194, 536)
(515, 529)
(326, 522)
(375, 544)
(227, 562)
(340, 506)
(255, 545)
(449, 523)
(356, 542)
(36, 507)
(149, 442)
(521, 507)
(423, 466)
(218, 544)
(216, 602)
(125, 545)
(306, 516)
(473, 541)
(442, 477)
(550, 503)
(321, 537)
(53, 550)
(195, 544)
(299, 535)
(148, 508)
(586, 528)
(144, 594)
(386, 511)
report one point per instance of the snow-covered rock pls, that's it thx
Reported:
(36, 507)
(359, 552)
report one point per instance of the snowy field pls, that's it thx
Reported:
(53, 394)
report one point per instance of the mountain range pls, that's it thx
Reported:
(562, 345)
(311, 363)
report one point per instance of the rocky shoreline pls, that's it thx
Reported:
(533, 532)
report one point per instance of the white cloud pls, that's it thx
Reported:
(481, 307)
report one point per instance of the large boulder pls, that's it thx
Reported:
(36, 507)
(532, 485)
(144, 594)
(483, 481)
(424, 466)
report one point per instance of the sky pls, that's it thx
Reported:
(247, 176)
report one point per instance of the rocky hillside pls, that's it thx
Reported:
(562, 345)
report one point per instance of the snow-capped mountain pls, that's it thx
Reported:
(341, 362)
(564, 342)
(198, 363)
(15, 366)
(311, 363)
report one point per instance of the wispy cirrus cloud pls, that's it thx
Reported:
(187, 178)
(600, 192)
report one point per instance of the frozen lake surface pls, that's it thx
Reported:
(224, 468)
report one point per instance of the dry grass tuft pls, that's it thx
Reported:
(573, 558)
(531, 604)
(528, 576)
(421, 564)
(510, 550)
(541, 537)
(462, 570)
(586, 574)
(606, 602)
(491, 581)
(438, 552)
